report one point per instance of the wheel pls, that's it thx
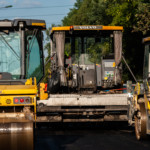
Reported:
(140, 122)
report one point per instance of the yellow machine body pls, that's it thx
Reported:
(139, 104)
(21, 69)
(9, 92)
(43, 95)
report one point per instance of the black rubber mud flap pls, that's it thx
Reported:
(54, 83)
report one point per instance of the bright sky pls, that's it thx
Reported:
(52, 11)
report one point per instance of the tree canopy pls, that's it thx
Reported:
(128, 13)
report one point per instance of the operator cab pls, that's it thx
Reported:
(21, 50)
(86, 57)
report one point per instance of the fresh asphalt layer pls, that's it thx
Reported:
(88, 136)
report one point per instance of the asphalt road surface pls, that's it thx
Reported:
(105, 136)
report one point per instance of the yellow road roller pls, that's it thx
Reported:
(21, 69)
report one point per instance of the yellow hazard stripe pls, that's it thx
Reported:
(112, 28)
(146, 39)
(39, 24)
(67, 28)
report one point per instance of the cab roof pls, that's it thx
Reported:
(28, 22)
(86, 27)
(147, 39)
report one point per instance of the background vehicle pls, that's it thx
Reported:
(84, 60)
(139, 103)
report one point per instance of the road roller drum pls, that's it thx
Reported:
(16, 136)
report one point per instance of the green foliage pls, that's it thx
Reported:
(8, 6)
(127, 13)
(122, 12)
(131, 14)
(97, 50)
(143, 18)
(88, 12)
(67, 49)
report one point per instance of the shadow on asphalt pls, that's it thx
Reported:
(84, 126)
(87, 136)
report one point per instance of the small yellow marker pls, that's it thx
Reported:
(105, 78)
(114, 64)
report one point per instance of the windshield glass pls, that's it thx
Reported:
(146, 69)
(34, 55)
(10, 54)
(89, 50)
